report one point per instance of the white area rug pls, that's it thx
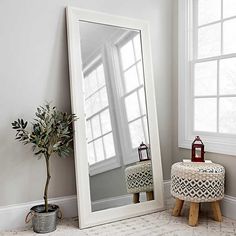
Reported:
(160, 223)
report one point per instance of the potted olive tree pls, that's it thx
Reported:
(51, 133)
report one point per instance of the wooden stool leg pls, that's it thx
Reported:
(178, 207)
(216, 211)
(149, 196)
(193, 213)
(136, 198)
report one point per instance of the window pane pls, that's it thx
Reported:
(94, 103)
(208, 11)
(92, 82)
(229, 8)
(209, 41)
(105, 121)
(229, 35)
(136, 133)
(227, 115)
(131, 79)
(99, 150)
(205, 79)
(89, 133)
(109, 145)
(228, 76)
(103, 98)
(142, 101)
(101, 76)
(205, 114)
(140, 72)
(137, 47)
(127, 55)
(132, 106)
(96, 128)
(91, 156)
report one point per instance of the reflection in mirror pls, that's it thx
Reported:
(120, 169)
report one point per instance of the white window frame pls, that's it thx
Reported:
(224, 144)
(112, 162)
(130, 154)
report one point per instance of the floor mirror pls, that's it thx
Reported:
(116, 141)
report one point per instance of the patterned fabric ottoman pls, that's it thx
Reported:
(139, 179)
(197, 182)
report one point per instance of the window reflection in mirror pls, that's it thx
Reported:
(116, 116)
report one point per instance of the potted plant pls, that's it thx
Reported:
(51, 133)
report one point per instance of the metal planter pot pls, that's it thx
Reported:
(44, 222)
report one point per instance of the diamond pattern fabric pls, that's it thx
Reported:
(139, 177)
(197, 182)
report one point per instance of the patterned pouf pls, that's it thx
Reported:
(139, 179)
(197, 182)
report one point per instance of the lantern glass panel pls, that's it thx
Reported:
(144, 154)
(198, 152)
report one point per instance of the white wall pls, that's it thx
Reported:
(34, 69)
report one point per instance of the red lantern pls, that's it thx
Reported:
(197, 150)
(143, 152)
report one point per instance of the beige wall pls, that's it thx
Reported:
(229, 162)
(34, 69)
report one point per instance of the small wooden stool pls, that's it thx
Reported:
(149, 196)
(139, 179)
(197, 182)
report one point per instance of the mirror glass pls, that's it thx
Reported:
(118, 147)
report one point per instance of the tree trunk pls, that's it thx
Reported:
(47, 183)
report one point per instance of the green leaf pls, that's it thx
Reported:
(51, 131)
(39, 152)
(24, 125)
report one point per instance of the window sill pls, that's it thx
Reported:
(103, 166)
(212, 144)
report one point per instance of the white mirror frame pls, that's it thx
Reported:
(87, 218)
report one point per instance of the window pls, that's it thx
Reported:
(99, 129)
(133, 90)
(115, 103)
(207, 74)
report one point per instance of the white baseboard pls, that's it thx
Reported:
(13, 216)
(115, 202)
(125, 199)
(228, 207)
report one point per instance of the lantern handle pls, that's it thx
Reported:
(197, 138)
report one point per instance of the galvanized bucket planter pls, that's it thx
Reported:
(44, 222)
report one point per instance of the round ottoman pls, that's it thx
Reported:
(197, 182)
(139, 179)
